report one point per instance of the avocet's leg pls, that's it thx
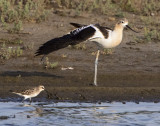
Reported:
(96, 63)
(43, 57)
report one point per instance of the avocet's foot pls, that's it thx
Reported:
(92, 84)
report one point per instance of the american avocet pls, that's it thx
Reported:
(103, 36)
(30, 93)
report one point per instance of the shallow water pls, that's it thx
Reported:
(76, 114)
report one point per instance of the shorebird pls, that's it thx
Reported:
(102, 36)
(30, 93)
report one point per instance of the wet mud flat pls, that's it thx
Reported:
(71, 86)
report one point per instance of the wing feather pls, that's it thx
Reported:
(104, 30)
(77, 25)
(75, 37)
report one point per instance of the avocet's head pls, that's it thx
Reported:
(41, 87)
(124, 23)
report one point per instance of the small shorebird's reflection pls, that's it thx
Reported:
(36, 111)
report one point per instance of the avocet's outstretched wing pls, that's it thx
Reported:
(74, 37)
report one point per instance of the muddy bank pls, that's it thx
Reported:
(73, 86)
(92, 94)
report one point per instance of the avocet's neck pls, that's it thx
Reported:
(117, 35)
(118, 28)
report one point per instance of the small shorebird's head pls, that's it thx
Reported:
(123, 23)
(41, 87)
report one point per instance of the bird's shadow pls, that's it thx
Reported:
(28, 74)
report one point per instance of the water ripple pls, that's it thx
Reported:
(77, 114)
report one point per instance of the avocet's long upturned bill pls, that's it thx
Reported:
(103, 36)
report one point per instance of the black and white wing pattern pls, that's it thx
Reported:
(74, 37)
(103, 30)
